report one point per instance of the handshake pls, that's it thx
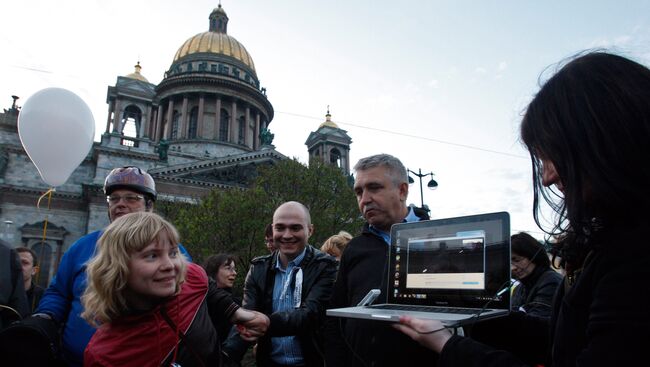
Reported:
(250, 324)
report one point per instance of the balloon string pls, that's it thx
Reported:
(42, 251)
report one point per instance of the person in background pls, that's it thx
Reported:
(28, 261)
(335, 245)
(268, 238)
(128, 189)
(222, 269)
(587, 131)
(13, 300)
(531, 266)
(291, 286)
(381, 188)
(152, 307)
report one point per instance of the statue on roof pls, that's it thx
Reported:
(266, 137)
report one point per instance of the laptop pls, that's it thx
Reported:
(456, 270)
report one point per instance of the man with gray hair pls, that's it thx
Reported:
(381, 188)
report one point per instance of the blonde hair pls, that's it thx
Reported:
(108, 270)
(336, 244)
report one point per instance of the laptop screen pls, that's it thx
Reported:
(459, 262)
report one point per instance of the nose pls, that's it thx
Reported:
(549, 174)
(166, 263)
(365, 198)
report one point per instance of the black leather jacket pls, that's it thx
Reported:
(319, 273)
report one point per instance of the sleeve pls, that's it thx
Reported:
(540, 303)
(235, 347)
(465, 352)
(336, 352)
(220, 303)
(18, 297)
(618, 322)
(57, 299)
(309, 316)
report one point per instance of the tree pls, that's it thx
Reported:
(233, 220)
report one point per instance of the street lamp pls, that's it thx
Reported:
(432, 183)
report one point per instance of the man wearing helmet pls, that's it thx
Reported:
(128, 190)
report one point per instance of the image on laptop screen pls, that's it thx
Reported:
(460, 262)
(456, 262)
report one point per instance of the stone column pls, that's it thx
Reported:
(182, 129)
(170, 114)
(117, 117)
(144, 131)
(233, 122)
(246, 126)
(199, 122)
(158, 128)
(256, 133)
(217, 118)
(111, 106)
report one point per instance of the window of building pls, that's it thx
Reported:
(242, 130)
(194, 121)
(175, 122)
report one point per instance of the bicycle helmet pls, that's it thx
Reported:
(130, 178)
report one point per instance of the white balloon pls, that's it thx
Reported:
(56, 128)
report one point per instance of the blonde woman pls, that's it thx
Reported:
(150, 305)
(336, 244)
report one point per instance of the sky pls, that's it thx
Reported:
(442, 85)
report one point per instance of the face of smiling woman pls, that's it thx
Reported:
(153, 273)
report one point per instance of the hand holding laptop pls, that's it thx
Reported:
(430, 334)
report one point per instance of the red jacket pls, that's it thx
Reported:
(148, 340)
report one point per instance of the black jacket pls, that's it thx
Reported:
(601, 320)
(535, 292)
(353, 342)
(319, 272)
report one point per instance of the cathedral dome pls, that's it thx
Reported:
(215, 44)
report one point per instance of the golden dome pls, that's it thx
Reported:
(328, 120)
(215, 42)
(136, 74)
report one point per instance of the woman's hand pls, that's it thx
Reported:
(251, 324)
(431, 334)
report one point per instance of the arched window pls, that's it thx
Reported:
(224, 121)
(131, 125)
(175, 122)
(335, 157)
(44, 253)
(242, 130)
(194, 121)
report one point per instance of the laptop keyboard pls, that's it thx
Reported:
(462, 311)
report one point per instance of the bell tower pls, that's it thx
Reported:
(331, 144)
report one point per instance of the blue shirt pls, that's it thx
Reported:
(286, 350)
(410, 217)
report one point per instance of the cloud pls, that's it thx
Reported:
(480, 70)
(502, 66)
(433, 83)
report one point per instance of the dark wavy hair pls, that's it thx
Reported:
(592, 121)
(527, 246)
(212, 263)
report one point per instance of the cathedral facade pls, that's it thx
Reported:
(205, 126)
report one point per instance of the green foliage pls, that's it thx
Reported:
(233, 221)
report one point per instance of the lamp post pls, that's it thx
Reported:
(432, 183)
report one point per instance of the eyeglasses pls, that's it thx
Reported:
(129, 199)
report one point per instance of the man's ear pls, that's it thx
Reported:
(311, 230)
(403, 191)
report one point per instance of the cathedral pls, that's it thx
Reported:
(205, 126)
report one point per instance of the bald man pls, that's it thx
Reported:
(291, 286)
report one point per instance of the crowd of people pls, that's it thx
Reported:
(130, 295)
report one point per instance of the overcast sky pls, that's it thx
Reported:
(439, 84)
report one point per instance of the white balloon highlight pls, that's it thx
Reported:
(56, 128)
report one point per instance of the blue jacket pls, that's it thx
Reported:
(62, 299)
